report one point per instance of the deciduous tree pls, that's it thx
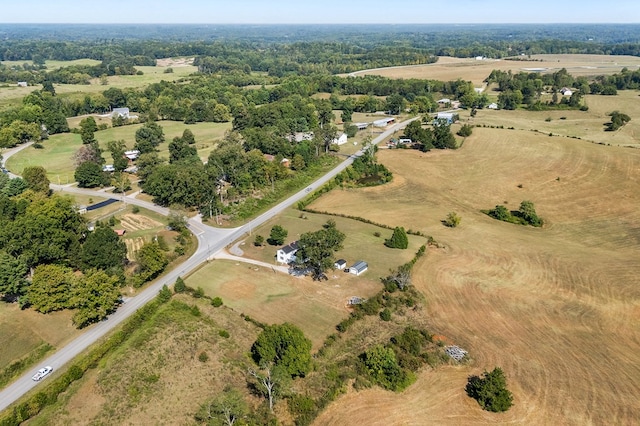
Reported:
(283, 346)
(490, 390)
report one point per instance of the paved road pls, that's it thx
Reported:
(210, 241)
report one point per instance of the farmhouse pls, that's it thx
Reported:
(384, 122)
(287, 254)
(341, 140)
(340, 264)
(359, 267)
(566, 91)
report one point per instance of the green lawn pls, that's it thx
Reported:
(360, 243)
(57, 155)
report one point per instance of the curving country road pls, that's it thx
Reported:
(210, 241)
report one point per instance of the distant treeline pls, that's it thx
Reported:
(301, 50)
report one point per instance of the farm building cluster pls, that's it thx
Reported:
(287, 256)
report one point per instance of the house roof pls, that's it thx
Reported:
(360, 265)
(290, 248)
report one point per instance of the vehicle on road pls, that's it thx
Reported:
(42, 373)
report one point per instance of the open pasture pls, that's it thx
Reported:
(587, 125)
(557, 308)
(448, 68)
(57, 154)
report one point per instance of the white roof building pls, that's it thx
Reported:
(340, 140)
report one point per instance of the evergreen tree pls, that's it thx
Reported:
(398, 239)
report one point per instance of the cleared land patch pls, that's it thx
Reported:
(557, 308)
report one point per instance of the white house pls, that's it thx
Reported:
(340, 140)
(358, 268)
(384, 122)
(132, 155)
(120, 112)
(566, 91)
(287, 254)
(340, 264)
(493, 105)
(22, 84)
(108, 168)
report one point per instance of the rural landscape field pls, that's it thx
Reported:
(556, 307)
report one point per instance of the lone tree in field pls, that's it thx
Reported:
(398, 240)
(284, 346)
(277, 236)
(490, 390)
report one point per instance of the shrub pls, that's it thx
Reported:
(465, 131)
(216, 302)
(224, 333)
(198, 293)
(203, 357)
(385, 314)
(258, 241)
(179, 286)
(135, 209)
(452, 220)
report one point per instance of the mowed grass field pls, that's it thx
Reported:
(23, 331)
(557, 308)
(58, 151)
(448, 68)
(587, 125)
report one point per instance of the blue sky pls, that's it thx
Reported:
(320, 11)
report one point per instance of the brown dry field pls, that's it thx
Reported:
(587, 125)
(557, 308)
(448, 68)
(275, 298)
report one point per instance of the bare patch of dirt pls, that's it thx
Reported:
(136, 222)
(174, 62)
